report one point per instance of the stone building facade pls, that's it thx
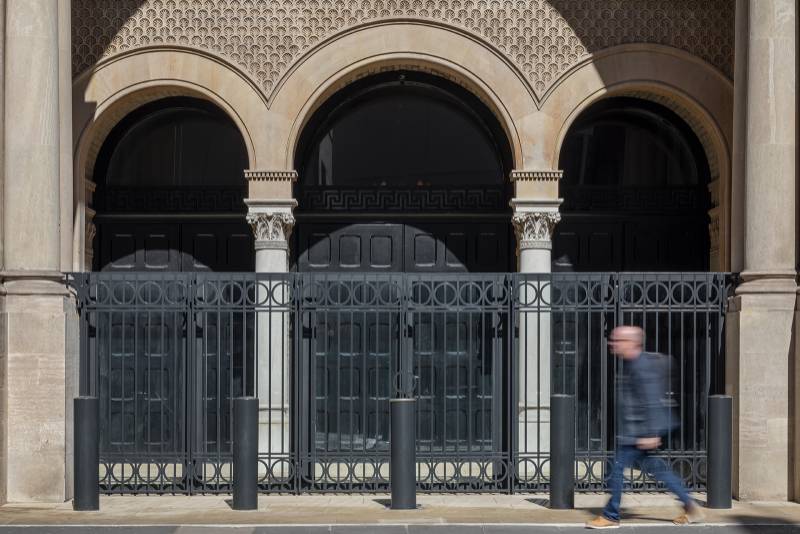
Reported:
(74, 70)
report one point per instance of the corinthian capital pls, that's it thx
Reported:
(275, 227)
(534, 229)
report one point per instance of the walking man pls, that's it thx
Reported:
(644, 420)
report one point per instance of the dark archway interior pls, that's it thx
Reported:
(170, 190)
(635, 190)
(403, 171)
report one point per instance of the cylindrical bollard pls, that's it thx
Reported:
(720, 421)
(245, 453)
(562, 452)
(403, 463)
(86, 454)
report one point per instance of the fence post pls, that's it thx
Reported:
(562, 452)
(403, 463)
(720, 420)
(86, 459)
(245, 453)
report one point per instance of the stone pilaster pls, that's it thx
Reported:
(39, 338)
(534, 218)
(761, 315)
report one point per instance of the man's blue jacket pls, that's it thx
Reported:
(641, 392)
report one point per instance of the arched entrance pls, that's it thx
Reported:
(635, 190)
(169, 203)
(403, 172)
(170, 189)
(635, 201)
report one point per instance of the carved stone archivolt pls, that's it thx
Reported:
(543, 38)
(534, 229)
(271, 228)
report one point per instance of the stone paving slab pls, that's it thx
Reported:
(391, 529)
(340, 514)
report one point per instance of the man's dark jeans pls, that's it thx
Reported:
(626, 456)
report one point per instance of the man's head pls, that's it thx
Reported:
(626, 341)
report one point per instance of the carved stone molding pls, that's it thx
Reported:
(536, 176)
(271, 230)
(713, 230)
(270, 176)
(534, 229)
(91, 232)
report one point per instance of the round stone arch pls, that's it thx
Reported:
(691, 88)
(107, 93)
(399, 45)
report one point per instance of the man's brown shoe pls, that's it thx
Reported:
(691, 514)
(602, 522)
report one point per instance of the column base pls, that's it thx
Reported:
(273, 429)
(39, 350)
(760, 324)
(533, 443)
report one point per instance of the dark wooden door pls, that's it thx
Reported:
(169, 246)
(412, 246)
(598, 243)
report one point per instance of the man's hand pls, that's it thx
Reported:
(648, 443)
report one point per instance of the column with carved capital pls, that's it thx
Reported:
(534, 218)
(270, 215)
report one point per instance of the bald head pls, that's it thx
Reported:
(626, 341)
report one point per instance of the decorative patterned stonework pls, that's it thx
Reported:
(271, 227)
(543, 38)
(534, 229)
(270, 176)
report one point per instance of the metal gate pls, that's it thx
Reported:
(324, 353)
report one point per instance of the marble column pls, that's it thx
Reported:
(38, 318)
(760, 319)
(534, 218)
(272, 221)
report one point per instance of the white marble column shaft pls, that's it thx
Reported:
(272, 223)
(534, 221)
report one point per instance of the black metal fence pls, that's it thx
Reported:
(324, 353)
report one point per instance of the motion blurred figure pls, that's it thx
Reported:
(644, 420)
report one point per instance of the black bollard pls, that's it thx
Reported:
(403, 463)
(562, 452)
(720, 421)
(86, 456)
(245, 453)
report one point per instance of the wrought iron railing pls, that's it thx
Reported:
(324, 352)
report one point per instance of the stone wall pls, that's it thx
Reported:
(543, 39)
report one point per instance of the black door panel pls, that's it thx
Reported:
(418, 246)
(135, 245)
(130, 246)
(350, 247)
